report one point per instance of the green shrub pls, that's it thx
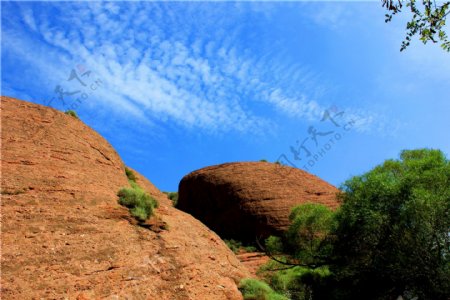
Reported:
(253, 289)
(140, 203)
(263, 160)
(133, 184)
(173, 196)
(71, 113)
(295, 283)
(236, 245)
(233, 245)
(141, 213)
(249, 248)
(130, 174)
(127, 197)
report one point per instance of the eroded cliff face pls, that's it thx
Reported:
(248, 200)
(65, 235)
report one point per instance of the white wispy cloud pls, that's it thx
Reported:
(155, 67)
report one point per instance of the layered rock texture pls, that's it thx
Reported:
(64, 235)
(249, 200)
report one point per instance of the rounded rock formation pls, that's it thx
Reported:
(248, 200)
(64, 235)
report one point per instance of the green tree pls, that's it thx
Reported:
(299, 259)
(308, 241)
(393, 236)
(308, 237)
(428, 20)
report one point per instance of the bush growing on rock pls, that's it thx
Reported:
(236, 245)
(140, 203)
(71, 113)
(130, 174)
(233, 245)
(173, 196)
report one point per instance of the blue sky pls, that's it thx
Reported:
(178, 86)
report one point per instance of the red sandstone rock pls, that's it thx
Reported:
(246, 200)
(65, 235)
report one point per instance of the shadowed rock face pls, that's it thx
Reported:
(64, 234)
(246, 200)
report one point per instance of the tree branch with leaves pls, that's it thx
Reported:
(428, 20)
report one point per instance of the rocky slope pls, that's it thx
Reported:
(246, 200)
(65, 236)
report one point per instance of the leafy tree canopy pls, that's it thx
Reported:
(394, 229)
(308, 236)
(389, 238)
